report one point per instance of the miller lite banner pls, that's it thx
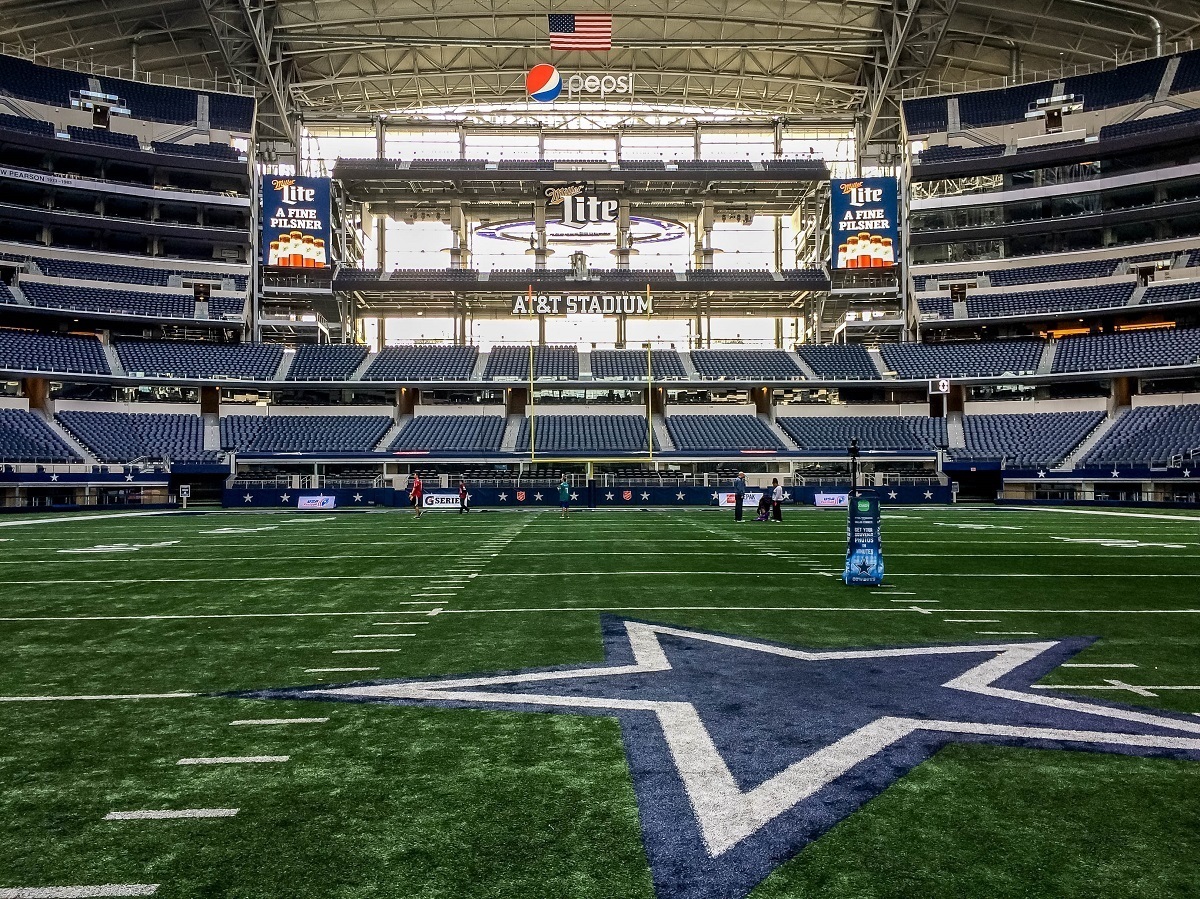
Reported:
(295, 222)
(866, 223)
(579, 207)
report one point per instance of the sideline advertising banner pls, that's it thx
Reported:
(749, 500)
(296, 222)
(831, 500)
(440, 500)
(864, 542)
(317, 502)
(865, 215)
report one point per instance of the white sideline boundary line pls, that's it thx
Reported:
(373, 636)
(80, 892)
(346, 652)
(231, 615)
(1110, 665)
(169, 814)
(326, 670)
(96, 698)
(54, 519)
(270, 722)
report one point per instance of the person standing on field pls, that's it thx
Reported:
(776, 500)
(463, 497)
(739, 495)
(564, 498)
(417, 495)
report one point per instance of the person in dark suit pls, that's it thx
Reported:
(739, 495)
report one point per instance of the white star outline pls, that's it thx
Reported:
(537, 496)
(54, 477)
(892, 494)
(285, 498)
(680, 495)
(645, 496)
(503, 497)
(574, 496)
(725, 813)
(608, 496)
(358, 497)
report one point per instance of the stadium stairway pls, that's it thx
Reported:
(113, 360)
(480, 366)
(512, 431)
(357, 374)
(585, 366)
(803, 366)
(956, 435)
(19, 295)
(665, 443)
(284, 367)
(1085, 446)
(386, 441)
(781, 435)
(66, 437)
(1168, 79)
(877, 360)
(686, 359)
(1046, 362)
(212, 431)
(1135, 298)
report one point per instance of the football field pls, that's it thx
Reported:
(223, 705)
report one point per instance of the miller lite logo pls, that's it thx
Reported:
(289, 192)
(579, 209)
(627, 495)
(859, 195)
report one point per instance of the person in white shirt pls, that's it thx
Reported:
(776, 500)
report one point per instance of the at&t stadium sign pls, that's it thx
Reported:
(581, 304)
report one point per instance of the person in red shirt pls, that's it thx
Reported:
(464, 498)
(417, 494)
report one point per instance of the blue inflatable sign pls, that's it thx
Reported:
(864, 543)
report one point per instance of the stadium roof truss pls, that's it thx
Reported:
(756, 58)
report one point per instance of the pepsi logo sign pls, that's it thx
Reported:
(543, 83)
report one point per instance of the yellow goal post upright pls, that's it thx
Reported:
(649, 380)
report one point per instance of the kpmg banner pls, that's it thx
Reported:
(317, 502)
(866, 223)
(295, 222)
(864, 542)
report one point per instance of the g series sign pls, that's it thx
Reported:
(581, 304)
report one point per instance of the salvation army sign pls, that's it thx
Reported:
(581, 304)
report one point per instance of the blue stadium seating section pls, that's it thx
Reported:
(1128, 349)
(716, 433)
(1091, 296)
(1026, 440)
(127, 436)
(422, 363)
(450, 434)
(838, 362)
(41, 84)
(24, 437)
(925, 115)
(1030, 274)
(331, 362)
(1128, 84)
(150, 102)
(303, 433)
(631, 364)
(1187, 76)
(27, 351)
(202, 151)
(958, 154)
(894, 433)
(746, 365)
(963, 360)
(224, 305)
(550, 362)
(585, 433)
(1151, 125)
(998, 107)
(941, 306)
(103, 137)
(1172, 292)
(32, 126)
(116, 302)
(251, 361)
(114, 273)
(1149, 435)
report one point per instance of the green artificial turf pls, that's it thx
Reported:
(385, 801)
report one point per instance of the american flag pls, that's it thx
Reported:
(590, 31)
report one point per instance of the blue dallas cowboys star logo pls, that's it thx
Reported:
(744, 751)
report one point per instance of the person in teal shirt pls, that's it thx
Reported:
(564, 497)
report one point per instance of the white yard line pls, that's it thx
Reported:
(80, 892)
(347, 652)
(171, 814)
(206, 616)
(373, 636)
(1109, 665)
(328, 670)
(234, 760)
(269, 722)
